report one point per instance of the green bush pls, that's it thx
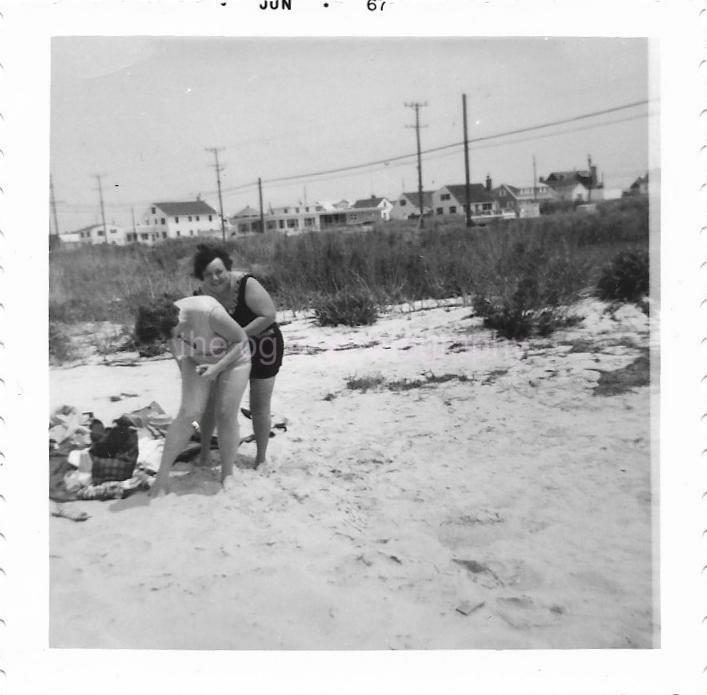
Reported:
(626, 278)
(346, 307)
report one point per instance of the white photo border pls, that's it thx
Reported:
(677, 33)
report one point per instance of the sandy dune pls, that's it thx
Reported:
(506, 507)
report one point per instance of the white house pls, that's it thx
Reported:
(407, 205)
(451, 200)
(193, 218)
(383, 205)
(95, 234)
(514, 201)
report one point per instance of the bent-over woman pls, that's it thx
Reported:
(214, 361)
(248, 303)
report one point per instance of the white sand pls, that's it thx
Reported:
(349, 539)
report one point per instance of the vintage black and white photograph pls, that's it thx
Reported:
(352, 343)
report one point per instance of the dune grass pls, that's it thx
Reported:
(532, 263)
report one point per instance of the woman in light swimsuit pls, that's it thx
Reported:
(248, 303)
(213, 355)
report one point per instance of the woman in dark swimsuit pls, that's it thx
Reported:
(247, 301)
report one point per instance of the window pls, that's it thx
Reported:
(440, 211)
(285, 211)
(452, 209)
(445, 196)
(179, 233)
(176, 220)
(101, 232)
(154, 211)
(281, 224)
(144, 236)
(155, 220)
(292, 224)
(210, 216)
(296, 209)
(189, 218)
(271, 225)
(306, 209)
(197, 218)
(164, 235)
(164, 221)
(403, 203)
(191, 232)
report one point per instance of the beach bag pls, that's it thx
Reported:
(115, 454)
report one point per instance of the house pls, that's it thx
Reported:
(407, 206)
(182, 219)
(575, 185)
(245, 221)
(639, 186)
(383, 205)
(451, 200)
(523, 201)
(96, 234)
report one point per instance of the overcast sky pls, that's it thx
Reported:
(141, 111)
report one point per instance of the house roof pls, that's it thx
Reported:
(639, 181)
(477, 193)
(415, 199)
(191, 207)
(514, 190)
(368, 203)
(565, 178)
(247, 211)
(85, 229)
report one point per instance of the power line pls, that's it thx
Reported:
(441, 148)
(434, 150)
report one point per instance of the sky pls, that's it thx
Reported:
(142, 111)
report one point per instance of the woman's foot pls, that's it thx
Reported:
(229, 483)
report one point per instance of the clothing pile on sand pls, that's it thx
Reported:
(88, 461)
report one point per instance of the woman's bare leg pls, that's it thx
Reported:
(195, 393)
(207, 425)
(230, 387)
(260, 404)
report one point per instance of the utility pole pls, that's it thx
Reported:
(103, 212)
(416, 105)
(260, 197)
(219, 169)
(589, 166)
(467, 185)
(535, 182)
(53, 203)
(132, 213)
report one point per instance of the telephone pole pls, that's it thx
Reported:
(416, 105)
(535, 182)
(53, 204)
(467, 186)
(132, 213)
(103, 212)
(219, 169)
(260, 197)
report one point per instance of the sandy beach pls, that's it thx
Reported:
(478, 494)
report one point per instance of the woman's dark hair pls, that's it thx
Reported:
(156, 320)
(205, 254)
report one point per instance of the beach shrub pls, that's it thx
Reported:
(626, 278)
(524, 285)
(60, 346)
(346, 307)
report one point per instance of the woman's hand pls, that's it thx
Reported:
(207, 371)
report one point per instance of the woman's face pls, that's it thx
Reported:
(215, 276)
